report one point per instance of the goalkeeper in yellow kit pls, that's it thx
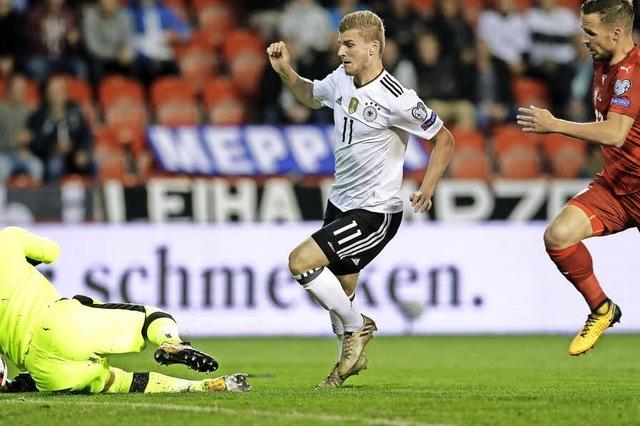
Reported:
(62, 343)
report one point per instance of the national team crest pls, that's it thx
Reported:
(353, 105)
(369, 113)
(621, 87)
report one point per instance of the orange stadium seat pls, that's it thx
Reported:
(519, 164)
(197, 65)
(469, 139)
(118, 89)
(516, 153)
(79, 92)
(469, 164)
(33, 93)
(178, 113)
(219, 89)
(567, 157)
(246, 72)
(127, 122)
(224, 104)
(508, 137)
(240, 41)
(527, 91)
(169, 89)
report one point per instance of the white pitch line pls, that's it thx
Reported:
(216, 409)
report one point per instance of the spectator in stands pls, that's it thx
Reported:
(493, 104)
(55, 41)
(581, 103)
(12, 38)
(456, 39)
(401, 68)
(439, 84)
(402, 24)
(108, 35)
(341, 8)
(554, 33)
(15, 155)
(156, 28)
(60, 135)
(309, 25)
(502, 35)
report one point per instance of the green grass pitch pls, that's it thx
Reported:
(461, 380)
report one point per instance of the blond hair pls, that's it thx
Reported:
(368, 23)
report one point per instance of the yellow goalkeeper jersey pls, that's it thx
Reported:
(25, 294)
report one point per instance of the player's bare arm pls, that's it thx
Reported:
(612, 131)
(300, 87)
(440, 157)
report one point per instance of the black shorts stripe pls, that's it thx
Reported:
(367, 243)
(388, 86)
(87, 301)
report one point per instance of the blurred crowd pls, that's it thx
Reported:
(81, 80)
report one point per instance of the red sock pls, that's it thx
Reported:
(576, 265)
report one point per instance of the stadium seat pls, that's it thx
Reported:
(239, 41)
(79, 92)
(196, 65)
(246, 72)
(128, 123)
(519, 164)
(469, 163)
(566, 156)
(118, 89)
(527, 91)
(33, 93)
(219, 89)
(178, 113)
(508, 137)
(223, 102)
(469, 139)
(227, 112)
(170, 89)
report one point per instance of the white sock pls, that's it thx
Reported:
(326, 288)
(338, 329)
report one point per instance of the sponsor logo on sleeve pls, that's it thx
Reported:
(428, 123)
(622, 102)
(419, 112)
(621, 87)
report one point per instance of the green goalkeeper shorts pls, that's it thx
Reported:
(68, 348)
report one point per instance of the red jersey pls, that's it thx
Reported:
(616, 88)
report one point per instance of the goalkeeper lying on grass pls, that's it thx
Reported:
(62, 342)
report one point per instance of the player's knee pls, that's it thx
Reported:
(558, 235)
(296, 261)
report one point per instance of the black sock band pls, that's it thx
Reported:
(139, 382)
(152, 317)
(310, 275)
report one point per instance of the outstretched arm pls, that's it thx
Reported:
(301, 88)
(612, 131)
(438, 162)
(34, 247)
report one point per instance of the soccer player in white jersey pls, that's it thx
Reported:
(373, 117)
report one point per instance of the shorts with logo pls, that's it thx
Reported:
(615, 212)
(352, 239)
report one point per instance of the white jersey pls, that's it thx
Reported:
(372, 126)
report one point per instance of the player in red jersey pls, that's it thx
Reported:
(611, 202)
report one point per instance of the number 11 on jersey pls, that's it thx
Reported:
(344, 129)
